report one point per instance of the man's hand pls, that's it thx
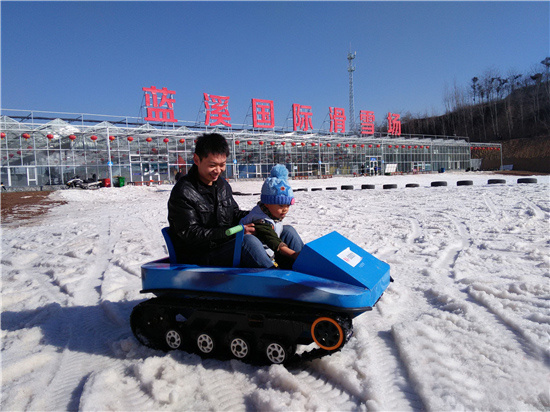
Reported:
(249, 229)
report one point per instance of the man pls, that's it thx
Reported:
(201, 207)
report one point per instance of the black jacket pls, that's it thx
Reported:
(199, 215)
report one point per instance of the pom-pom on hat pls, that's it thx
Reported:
(276, 190)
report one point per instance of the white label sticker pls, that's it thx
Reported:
(349, 257)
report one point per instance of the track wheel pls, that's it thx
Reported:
(205, 343)
(278, 353)
(239, 348)
(173, 339)
(327, 333)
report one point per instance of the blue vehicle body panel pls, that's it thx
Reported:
(323, 275)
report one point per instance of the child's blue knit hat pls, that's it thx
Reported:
(276, 190)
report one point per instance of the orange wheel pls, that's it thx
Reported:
(327, 333)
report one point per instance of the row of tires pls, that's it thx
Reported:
(239, 347)
(329, 334)
(433, 184)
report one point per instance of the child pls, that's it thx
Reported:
(275, 201)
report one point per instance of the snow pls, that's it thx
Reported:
(465, 325)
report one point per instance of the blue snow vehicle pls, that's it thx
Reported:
(260, 315)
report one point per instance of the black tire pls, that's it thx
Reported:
(278, 353)
(205, 343)
(496, 181)
(332, 188)
(439, 183)
(346, 187)
(367, 186)
(327, 333)
(148, 326)
(390, 186)
(173, 339)
(527, 180)
(240, 348)
(464, 183)
(412, 185)
(316, 189)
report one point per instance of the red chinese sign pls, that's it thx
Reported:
(217, 111)
(162, 111)
(301, 116)
(337, 120)
(366, 118)
(394, 124)
(263, 113)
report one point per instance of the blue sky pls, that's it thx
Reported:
(95, 57)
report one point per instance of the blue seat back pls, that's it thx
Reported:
(172, 251)
(169, 245)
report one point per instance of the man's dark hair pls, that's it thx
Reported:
(211, 143)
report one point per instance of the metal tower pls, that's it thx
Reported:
(351, 69)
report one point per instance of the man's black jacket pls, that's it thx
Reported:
(199, 215)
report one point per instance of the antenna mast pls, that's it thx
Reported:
(351, 69)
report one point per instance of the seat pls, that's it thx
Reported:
(172, 251)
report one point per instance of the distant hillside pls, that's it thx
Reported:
(524, 113)
(514, 111)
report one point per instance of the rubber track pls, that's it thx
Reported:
(297, 314)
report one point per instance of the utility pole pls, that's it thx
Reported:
(351, 69)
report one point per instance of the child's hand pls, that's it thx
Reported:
(249, 229)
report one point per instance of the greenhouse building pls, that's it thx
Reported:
(40, 150)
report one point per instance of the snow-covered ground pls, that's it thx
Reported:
(465, 325)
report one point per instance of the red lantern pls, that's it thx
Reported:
(313, 145)
(50, 136)
(2, 135)
(112, 138)
(29, 147)
(370, 146)
(130, 138)
(390, 146)
(347, 145)
(416, 147)
(272, 143)
(249, 143)
(303, 144)
(72, 137)
(166, 140)
(422, 147)
(261, 143)
(378, 146)
(236, 142)
(19, 152)
(328, 144)
(339, 144)
(182, 141)
(354, 146)
(26, 136)
(149, 140)
(320, 144)
(93, 138)
(427, 147)
(293, 144)
(362, 145)
(283, 143)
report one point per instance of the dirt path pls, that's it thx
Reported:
(25, 205)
